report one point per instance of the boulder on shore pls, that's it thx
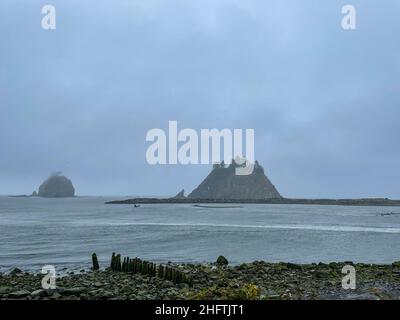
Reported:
(57, 186)
(222, 261)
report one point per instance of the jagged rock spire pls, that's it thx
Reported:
(223, 183)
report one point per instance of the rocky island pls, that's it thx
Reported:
(224, 183)
(223, 186)
(56, 186)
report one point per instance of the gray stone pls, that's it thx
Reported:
(167, 284)
(293, 266)
(19, 294)
(183, 286)
(55, 296)
(222, 261)
(16, 271)
(38, 293)
(74, 291)
(4, 290)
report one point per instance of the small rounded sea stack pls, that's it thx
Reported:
(57, 186)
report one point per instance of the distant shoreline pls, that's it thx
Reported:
(384, 202)
(338, 202)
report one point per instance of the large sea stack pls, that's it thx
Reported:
(57, 186)
(223, 183)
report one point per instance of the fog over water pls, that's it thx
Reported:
(324, 102)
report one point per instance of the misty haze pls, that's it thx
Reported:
(97, 188)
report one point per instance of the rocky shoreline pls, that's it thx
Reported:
(255, 281)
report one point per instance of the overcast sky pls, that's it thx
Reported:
(324, 102)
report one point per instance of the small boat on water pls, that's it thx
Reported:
(136, 205)
(390, 214)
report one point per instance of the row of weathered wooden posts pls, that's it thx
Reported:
(136, 265)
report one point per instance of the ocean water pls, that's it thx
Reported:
(65, 232)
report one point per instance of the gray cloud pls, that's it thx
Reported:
(324, 102)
